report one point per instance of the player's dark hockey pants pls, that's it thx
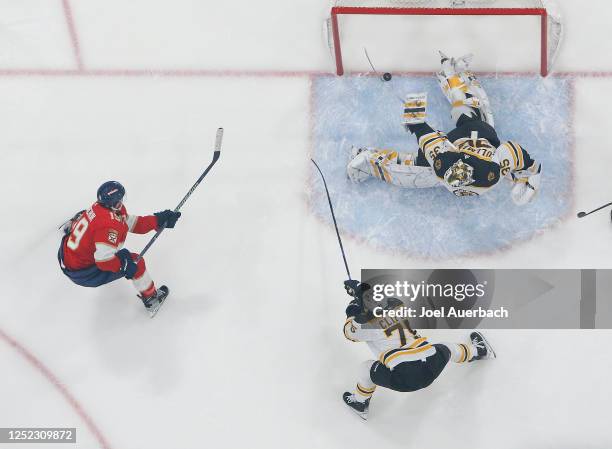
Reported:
(87, 277)
(411, 376)
(465, 126)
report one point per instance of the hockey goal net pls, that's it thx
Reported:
(548, 21)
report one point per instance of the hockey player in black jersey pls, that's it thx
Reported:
(406, 361)
(468, 161)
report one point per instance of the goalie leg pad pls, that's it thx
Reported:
(464, 91)
(358, 168)
(392, 167)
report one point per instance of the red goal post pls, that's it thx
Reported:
(550, 21)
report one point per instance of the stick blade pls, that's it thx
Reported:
(581, 214)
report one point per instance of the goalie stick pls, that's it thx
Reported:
(584, 214)
(331, 208)
(216, 155)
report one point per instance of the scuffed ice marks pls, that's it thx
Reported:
(432, 223)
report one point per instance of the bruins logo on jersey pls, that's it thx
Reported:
(461, 192)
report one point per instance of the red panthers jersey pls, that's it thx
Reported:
(98, 233)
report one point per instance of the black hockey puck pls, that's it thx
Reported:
(387, 76)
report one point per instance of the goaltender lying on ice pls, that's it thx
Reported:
(468, 161)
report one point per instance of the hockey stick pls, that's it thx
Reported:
(385, 77)
(216, 154)
(331, 208)
(584, 214)
(365, 50)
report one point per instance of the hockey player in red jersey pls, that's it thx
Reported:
(92, 253)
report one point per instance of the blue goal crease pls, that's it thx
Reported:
(433, 223)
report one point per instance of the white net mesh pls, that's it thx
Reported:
(555, 30)
(554, 25)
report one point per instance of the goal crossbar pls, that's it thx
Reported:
(407, 11)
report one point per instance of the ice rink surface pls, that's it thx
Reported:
(248, 351)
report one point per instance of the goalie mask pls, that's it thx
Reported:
(459, 174)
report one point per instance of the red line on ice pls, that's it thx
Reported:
(61, 388)
(162, 73)
(230, 73)
(74, 40)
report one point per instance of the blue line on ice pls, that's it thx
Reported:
(433, 223)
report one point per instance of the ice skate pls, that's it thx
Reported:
(361, 408)
(485, 350)
(154, 303)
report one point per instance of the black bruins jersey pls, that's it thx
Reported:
(470, 159)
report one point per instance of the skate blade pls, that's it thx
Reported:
(153, 310)
(489, 348)
(363, 416)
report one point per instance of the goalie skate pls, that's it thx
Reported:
(154, 303)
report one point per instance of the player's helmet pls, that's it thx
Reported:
(459, 174)
(110, 195)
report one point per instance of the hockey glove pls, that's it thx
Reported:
(351, 286)
(128, 267)
(167, 218)
(356, 311)
(354, 308)
(355, 288)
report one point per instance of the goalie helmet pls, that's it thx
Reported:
(459, 174)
